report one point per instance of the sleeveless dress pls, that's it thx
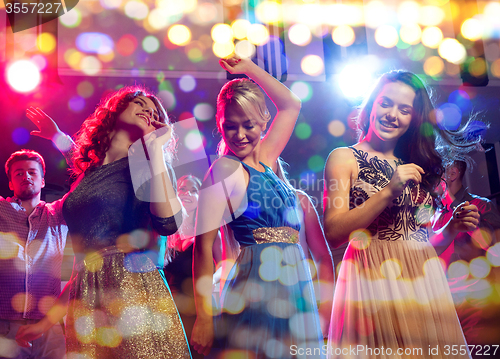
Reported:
(268, 304)
(120, 307)
(392, 298)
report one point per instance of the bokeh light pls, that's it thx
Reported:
(126, 45)
(458, 269)
(376, 14)
(480, 267)
(312, 65)
(23, 76)
(179, 35)
(203, 111)
(240, 28)
(303, 131)
(136, 10)
(336, 128)
(158, 18)
(343, 35)
(355, 80)
(187, 83)
(40, 61)
(449, 116)
(150, 44)
(194, 140)
(222, 33)
(432, 37)
(268, 12)
(452, 50)
(90, 65)
(431, 15)
(478, 67)
(109, 4)
(434, 66)
(316, 163)
(258, 34)
(76, 104)
(46, 42)
(245, 49)
(472, 29)
(303, 90)
(410, 33)
(386, 36)
(495, 68)
(408, 13)
(20, 136)
(94, 42)
(299, 34)
(71, 18)
(223, 50)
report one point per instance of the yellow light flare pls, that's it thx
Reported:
(240, 28)
(411, 34)
(431, 15)
(481, 238)
(189, 5)
(245, 49)
(108, 337)
(158, 19)
(386, 36)
(478, 67)
(432, 37)
(343, 35)
(472, 29)
(434, 66)
(258, 34)
(73, 58)
(495, 68)
(438, 2)
(179, 35)
(360, 239)
(375, 14)
(223, 50)
(300, 34)
(222, 33)
(408, 12)
(107, 57)
(46, 42)
(10, 246)
(17, 302)
(342, 14)
(312, 65)
(391, 269)
(336, 128)
(269, 12)
(45, 303)
(452, 50)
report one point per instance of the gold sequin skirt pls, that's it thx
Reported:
(120, 307)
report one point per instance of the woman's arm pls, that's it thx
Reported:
(322, 257)
(339, 221)
(286, 102)
(465, 219)
(227, 184)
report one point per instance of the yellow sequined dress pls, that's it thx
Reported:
(120, 307)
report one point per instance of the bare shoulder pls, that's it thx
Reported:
(340, 159)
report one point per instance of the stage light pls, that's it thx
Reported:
(23, 76)
(179, 35)
(312, 65)
(240, 28)
(354, 80)
(300, 34)
(343, 35)
(432, 37)
(452, 50)
(386, 36)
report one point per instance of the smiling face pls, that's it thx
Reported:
(138, 115)
(187, 191)
(240, 131)
(26, 179)
(392, 111)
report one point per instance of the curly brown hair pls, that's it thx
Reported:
(93, 141)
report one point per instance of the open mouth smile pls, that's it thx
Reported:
(145, 118)
(388, 124)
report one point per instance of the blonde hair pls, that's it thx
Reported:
(249, 97)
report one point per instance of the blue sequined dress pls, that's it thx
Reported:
(268, 304)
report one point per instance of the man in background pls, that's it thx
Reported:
(32, 240)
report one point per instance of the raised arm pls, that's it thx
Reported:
(48, 129)
(322, 257)
(287, 104)
(339, 221)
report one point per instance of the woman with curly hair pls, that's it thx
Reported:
(392, 297)
(120, 307)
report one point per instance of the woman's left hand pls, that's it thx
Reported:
(236, 65)
(159, 137)
(465, 218)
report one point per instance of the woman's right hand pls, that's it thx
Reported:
(202, 336)
(402, 177)
(236, 65)
(47, 127)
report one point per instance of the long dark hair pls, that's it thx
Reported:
(424, 143)
(92, 140)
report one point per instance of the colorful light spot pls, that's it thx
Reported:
(194, 140)
(432, 37)
(245, 49)
(452, 50)
(312, 65)
(449, 116)
(268, 12)
(203, 111)
(168, 99)
(240, 28)
(136, 10)
(20, 136)
(434, 66)
(76, 104)
(480, 267)
(187, 83)
(223, 50)
(300, 34)
(71, 18)
(150, 44)
(23, 76)
(336, 128)
(316, 163)
(258, 34)
(386, 36)
(222, 33)
(94, 42)
(303, 90)
(458, 269)
(343, 35)
(303, 131)
(85, 89)
(46, 42)
(126, 45)
(179, 35)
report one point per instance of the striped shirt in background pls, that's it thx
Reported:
(31, 253)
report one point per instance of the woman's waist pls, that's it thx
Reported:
(93, 261)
